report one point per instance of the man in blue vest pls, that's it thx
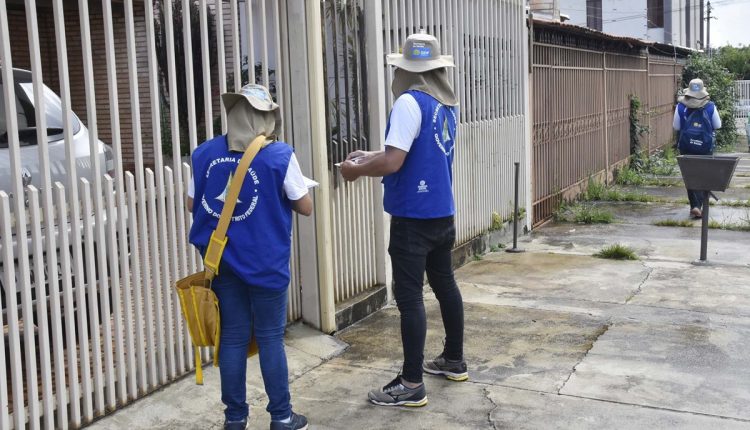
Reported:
(416, 167)
(254, 274)
(695, 99)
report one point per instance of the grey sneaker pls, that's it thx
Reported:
(396, 394)
(454, 370)
(297, 422)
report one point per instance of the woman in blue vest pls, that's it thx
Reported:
(254, 273)
(695, 99)
(416, 167)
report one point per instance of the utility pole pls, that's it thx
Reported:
(708, 28)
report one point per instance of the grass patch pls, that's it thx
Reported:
(497, 248)
(660, 163)
(645, 170)
(599, 192)
(583, 214)
(735, 203)
(674, 223)
(715, 225)
(617, 252)
(629, 176)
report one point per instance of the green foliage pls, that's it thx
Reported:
(629, 176)
(720, 85)
(596, 191)
(497, 221)
(637, 130)
(736, 60)
(583, 214)
(660, 163)
(744, 225)
(734, 203)
(617, 252)
(674, 223)
(645, 170)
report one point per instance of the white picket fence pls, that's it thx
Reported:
(88, 261)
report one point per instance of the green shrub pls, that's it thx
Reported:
(720, 85)
(617, 252)
(583, 214)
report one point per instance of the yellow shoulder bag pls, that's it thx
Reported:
(199, 303)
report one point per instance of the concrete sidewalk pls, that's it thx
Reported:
(555, 338)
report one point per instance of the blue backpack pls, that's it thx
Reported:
(697, 134)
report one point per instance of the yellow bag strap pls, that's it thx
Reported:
(218, 240)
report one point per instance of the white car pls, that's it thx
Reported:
(27, 134)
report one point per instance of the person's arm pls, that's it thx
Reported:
(676, 125)
(406, 120)
(296, 189)
(190, 194)
(303, 206)
(716, 119)
(381, 163)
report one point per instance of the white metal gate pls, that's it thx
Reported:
(742, 92)
(93, 235)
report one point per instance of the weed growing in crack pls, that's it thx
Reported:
(617, 252)
(583, 214)
(674, 223)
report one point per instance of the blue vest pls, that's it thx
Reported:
(423, 187)
(682, 112)
(259, 235)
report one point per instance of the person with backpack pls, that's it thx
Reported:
(416, 167)
(696, 118)
(253, 277)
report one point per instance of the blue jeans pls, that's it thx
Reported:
(418, 246)
(241, 305)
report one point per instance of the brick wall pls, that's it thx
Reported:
(19, 43)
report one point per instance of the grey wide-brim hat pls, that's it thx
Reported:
(420, 53)
(257, 95)
(696, 89)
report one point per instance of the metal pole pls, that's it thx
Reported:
(515, 212)
(704, 226)
(708, 29)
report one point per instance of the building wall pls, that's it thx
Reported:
(576, 10)
(625, 18)
(682, 20)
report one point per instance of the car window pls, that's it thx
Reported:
(25, 113)
(52, 106)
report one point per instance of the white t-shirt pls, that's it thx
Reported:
(406, 120)
(295, 186)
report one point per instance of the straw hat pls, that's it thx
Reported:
(421, 53)
(257, 95)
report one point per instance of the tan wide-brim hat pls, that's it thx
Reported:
(420, 53)
(696, 89)
(257, 95)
